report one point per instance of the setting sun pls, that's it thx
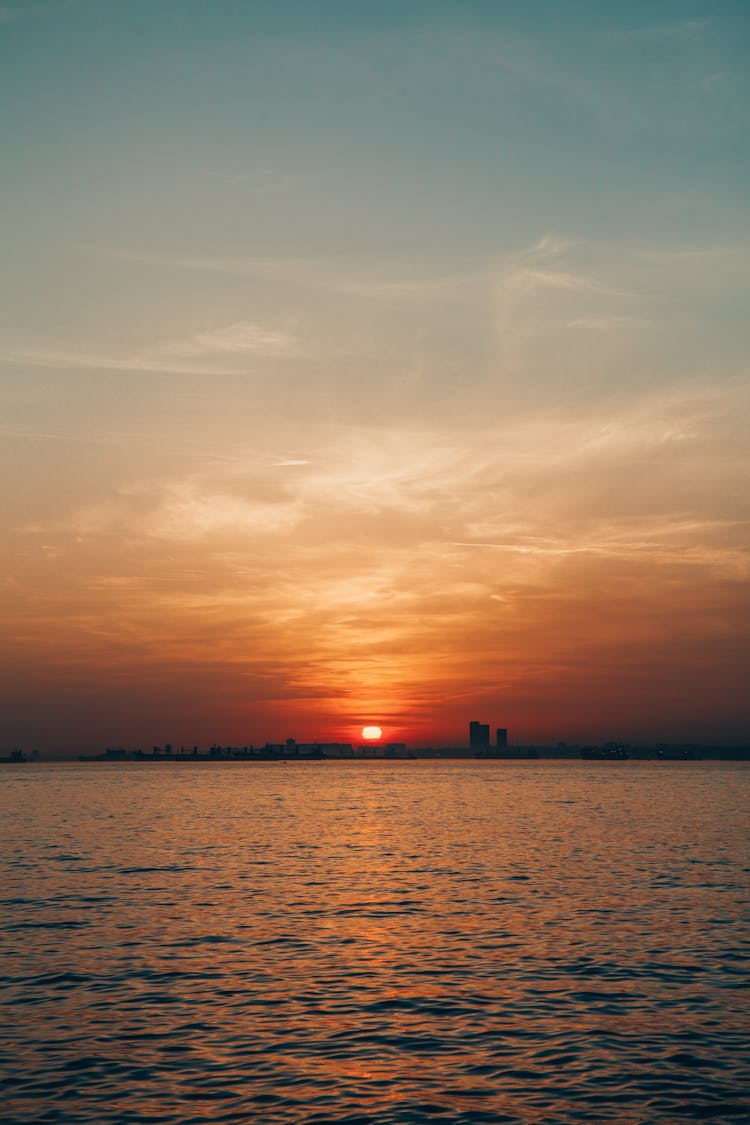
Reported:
(371, 733)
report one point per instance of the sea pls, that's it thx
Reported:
(342, 943)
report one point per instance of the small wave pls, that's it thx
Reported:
(168, 867)
(73, 924)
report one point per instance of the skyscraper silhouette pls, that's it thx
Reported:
(479, 736)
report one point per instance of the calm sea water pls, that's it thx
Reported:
(405, 942)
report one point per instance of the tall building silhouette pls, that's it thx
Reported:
(502, 738)
(479, 736)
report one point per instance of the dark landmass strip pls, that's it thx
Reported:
(394, 751)
(292, 751)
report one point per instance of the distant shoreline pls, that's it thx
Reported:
(521, 754)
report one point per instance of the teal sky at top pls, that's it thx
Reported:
(413, 126)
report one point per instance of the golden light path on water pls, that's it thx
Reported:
(401, 942)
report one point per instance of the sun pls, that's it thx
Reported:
(371, 734)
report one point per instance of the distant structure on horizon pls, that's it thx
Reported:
(479, 740)
(479, 737)
(479, 748)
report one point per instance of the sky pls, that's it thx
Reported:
(373, 362)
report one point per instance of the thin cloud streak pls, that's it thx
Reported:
(322, 274)
(192, 355)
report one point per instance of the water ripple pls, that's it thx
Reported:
(420, 942)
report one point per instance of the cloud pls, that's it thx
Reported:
(525, 281)
(325, 274)
(612, 323)
(240, 339)
(260, 181)
(389, 568)
(412, 490)
(550, 245)
(523, 271)
(537, 299)
(220, 351)
(680, 31)
(720, 253)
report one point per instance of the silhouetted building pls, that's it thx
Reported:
(479, 736)
(337, 749)
(502, 738)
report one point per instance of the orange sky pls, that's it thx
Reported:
(418, 397)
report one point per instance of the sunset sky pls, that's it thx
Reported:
(373, 361)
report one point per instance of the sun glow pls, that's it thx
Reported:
(371, 734)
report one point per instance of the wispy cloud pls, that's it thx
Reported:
(532, 268)
(225, 350)
(734, 252)
(612, 323)
(329, 275)
(518, 271)
(240, 339)
(374, 568)
(413, 488)
(676, 32)
(259, 181)
(550, 245)
(536, 294)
